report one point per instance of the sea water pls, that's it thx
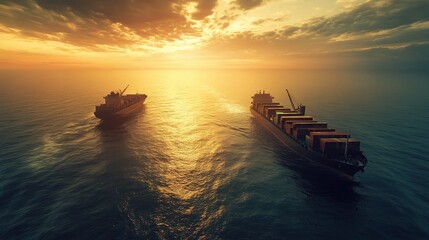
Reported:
(194, 163)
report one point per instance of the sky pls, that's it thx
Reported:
(265, 34)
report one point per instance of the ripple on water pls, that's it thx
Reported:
(194, 164)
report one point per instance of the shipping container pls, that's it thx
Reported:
(284, 119)
(332, 147)
(260, 104)
(314, 124)
(316, 136)
(265, 107)
(287, 124)
(279, 115)
(271, 111)
(267, 103)
(299, 133)
(262, 107)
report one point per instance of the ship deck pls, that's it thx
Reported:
(299, 149)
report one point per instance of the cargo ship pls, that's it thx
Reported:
(309, 138)
(118, 105)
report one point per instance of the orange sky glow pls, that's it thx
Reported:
(290, 34)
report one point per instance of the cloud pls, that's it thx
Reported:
(103, 22)
(204, 9)
(375, 34)
(267, 20)
(384, 31)
(371, 16)
(137, 15)
(249, 4)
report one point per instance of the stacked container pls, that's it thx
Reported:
(316, 136)
(296, 125)
(332, 147)
(261, 108)
(288, 125)
(299, 133)
(271, 111)
(280, 115)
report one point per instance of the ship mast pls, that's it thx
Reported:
(290, 99)
(125, 89)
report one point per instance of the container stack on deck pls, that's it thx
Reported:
(307, 131)
(284, 115)
(271, 111)
(332, 147)
(300, 133)
(261, 106)
(307, 136)
(291, 127)
(266, 107)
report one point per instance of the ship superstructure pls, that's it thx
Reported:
(118, 105)
(307, 137)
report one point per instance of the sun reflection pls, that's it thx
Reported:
(188, 141)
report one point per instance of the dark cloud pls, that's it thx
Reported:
(267, 20)
(371, 16)
(289, 31)
(249, 4)
(131, 13)
(204, 9)
(375, 34)
(97, 22)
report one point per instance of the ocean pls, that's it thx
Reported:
(194, 163)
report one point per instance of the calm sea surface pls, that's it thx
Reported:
(195, 164)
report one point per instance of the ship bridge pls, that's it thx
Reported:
(113, 99)
(261, 97)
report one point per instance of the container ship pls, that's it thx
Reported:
(118, 105)
(309, 138)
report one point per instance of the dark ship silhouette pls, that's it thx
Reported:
(117, 105)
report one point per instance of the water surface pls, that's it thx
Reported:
(195, 164)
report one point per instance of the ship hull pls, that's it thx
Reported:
(122, 113)
(339, 167)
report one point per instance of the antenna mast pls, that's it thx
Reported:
(290, 99)
(125, 89)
